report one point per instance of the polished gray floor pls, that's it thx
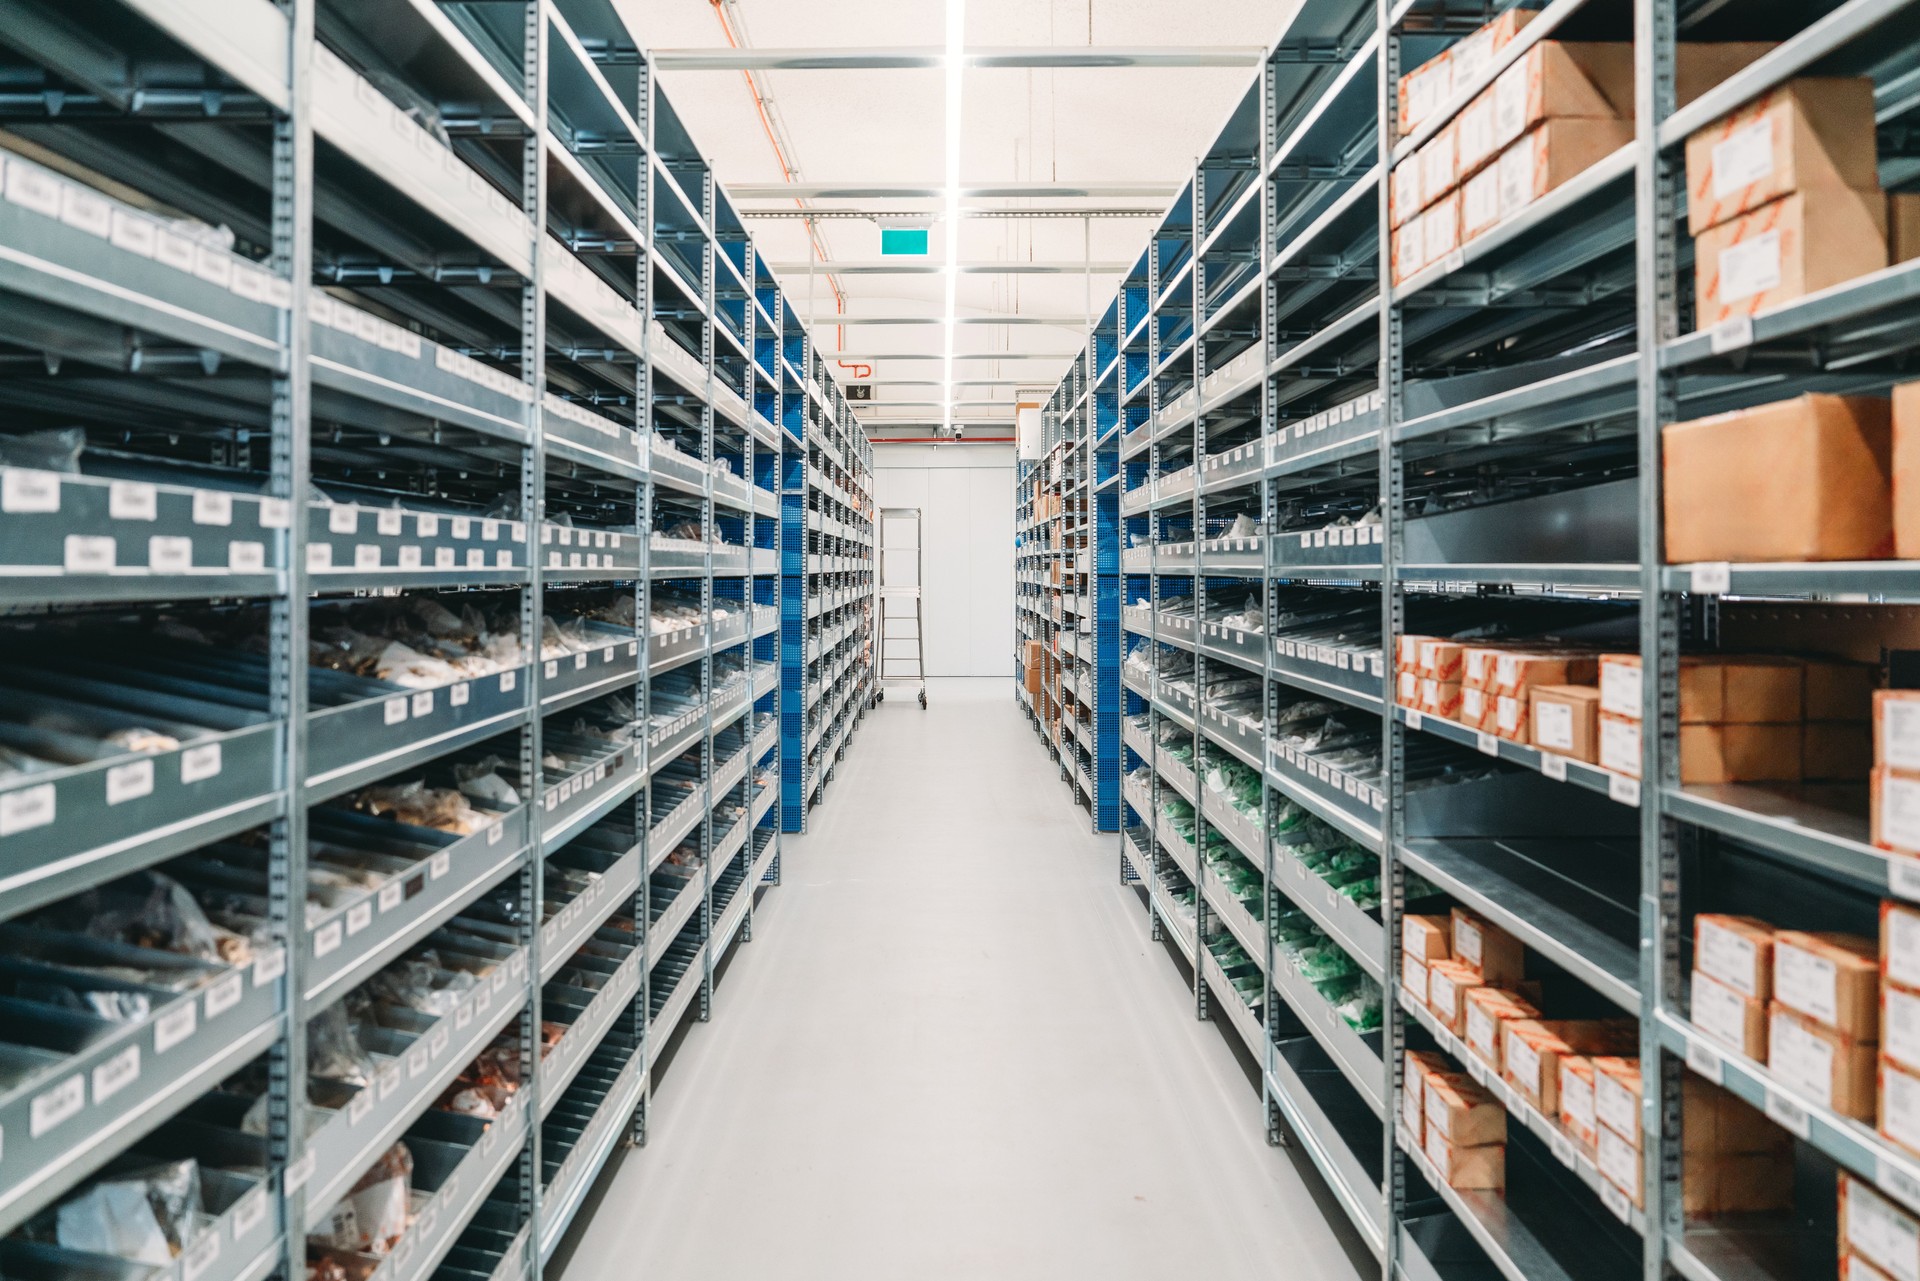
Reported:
(950, 1051)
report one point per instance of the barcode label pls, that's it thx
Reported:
(174, 1027)
(129, 782)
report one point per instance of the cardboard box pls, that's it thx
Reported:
(1715, 689)
(1427, 937)
(1616, 1095)
(1736, 951)
(1556, 80)
(1903, 227)
(1407, 688)
(1900, 1026)
(1413, 977)
(1710, 754)
(1406, 650)
(1576, 1100)
(1900, 943)
(1896, 811)
(1877, 1229)
(1837, 691)
(1566, 720)
(1896, 730)
(1835, 751)
(1476, 141)
(1495, 955)
(1620, 685)
(1480, 1169)
(1534, 1049)
(1473, 55)
(1422, 91)
(1517, 671)
(1835, 1070)
(1440, 228)
(1791, 247)
(1554, 152)
(1510, 718)
(1405, 193)
(1796, 480)
(1416, 1066)
(1439, 161)
(1714, 1120)
(1442, 659)
(1900, 1105)
(1440, 698)
(1409, 250)
(1479, 709)
(1717, 1183)
(1479, 203)
(1448, 983)
(1461, 1112)
(1619, 1163)
(1730, 1018)
(1906, 468)
(1480, 666)
(1811, 134)
(1831, 978)
(1488, 1009)
(1855, 1268)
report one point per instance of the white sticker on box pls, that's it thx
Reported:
(1726, 955)
(1802, 1060)
(1750, 267)
(1878, 1232)
(129, 782)
(1719, 1013)
(1807, 982)
(225, 994)
(1523, 1064)
(61, 1103)
(116, 1074)
(90, 553)
(26, 808)
(1553, 727)
(175, 1026)
(1899, 746)
(200, 763)
(1742, 158)
(1510, 97)
(1900, 1108)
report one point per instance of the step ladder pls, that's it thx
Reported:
(903, 656)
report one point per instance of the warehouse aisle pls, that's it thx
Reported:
(951, 1052)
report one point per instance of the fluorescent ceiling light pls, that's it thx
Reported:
(956, 69)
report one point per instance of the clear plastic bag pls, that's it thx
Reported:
(144, 1215)
(334, 1052)
(55, 450)
(481, 780)
(373, 1215)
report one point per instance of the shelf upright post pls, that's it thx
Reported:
(1269, 597)
(709, 267)
(638, 1012)
(533, 480)
(1657, 307)
(1156, 528)
(749, 583)
(1197, 233)
(1392, 480)
(780, 588)
(292, 221)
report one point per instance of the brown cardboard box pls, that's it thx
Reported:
(1831, 978)
(1488, 1009)
(1837, 691)
(1476, 144)
(1495, 955)
(1032, 667)
(1715, 689)
(1556, 80)
(1906, 466)
(1516, 671)
(1566, 720)
(1619, 1163)
(1620, 685)
(1479, 708)
(1510, 718)
(1409, 250)
(1900, 943)
(1480, 665)
(1728, 1017)
(1835, 751)
(1462, 1112)
(1801, 479)
(1876, 1228)
(1714, 1120)
(1903, 227)
(1710, 753)
(1427, 937)
(1736, 951)
(1418, 1065)
(1442, 660)
(1576, 1099)
(1534, 1049)
(1406, 650)
(1616, 1095)
(1439, 161)
(1855, 1268)
(1440, 698)
(1473, 55)
(1900, 1027)
(1896, 811)
(1407, 687)
(1405, 195)
(1440, 228)
(1448, 983)
(1480, 203)
(1425, 89)
(1553, 152)
(1835, 1070)
(1481, 1169)
(1786, 249)
(1413, 977)
(1809, 134)
(1717, 1183)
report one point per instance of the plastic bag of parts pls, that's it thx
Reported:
(105, 1003)
(506, 507)
(334, 1052)
(373, 1215)
(166, 918)
(144, 1215)
(481, 780)
(338, 1265)
(488, 1083)
(416, 983)
(417, 805)
(55, 450)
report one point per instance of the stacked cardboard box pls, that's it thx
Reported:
(1466, 1132)
(1900, 1024)
(1823, 1023)
(1733, 981)
(1427, 673)
(1733, 1160)
(1896, 770)
(1877, 1238)
(1742, 717)
(1417, 1066)
(1783, 198)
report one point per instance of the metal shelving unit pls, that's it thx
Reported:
(440, 634)
(1313, 459)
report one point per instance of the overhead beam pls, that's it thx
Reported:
(910, 267)
(928, 57)
(876, 357)
(874, 190)
(852, 320)
(968, 211)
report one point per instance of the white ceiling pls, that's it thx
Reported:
(1069, 125)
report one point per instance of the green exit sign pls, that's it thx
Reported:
(903, 240)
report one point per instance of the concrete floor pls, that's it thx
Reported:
(951, 1051)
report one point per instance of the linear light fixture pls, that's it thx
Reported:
(956, 71)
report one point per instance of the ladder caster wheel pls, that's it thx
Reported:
(923, 700)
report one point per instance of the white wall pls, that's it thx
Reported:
(966, 493)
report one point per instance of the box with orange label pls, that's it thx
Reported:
(1736, 951)
(1732, 1019)
(1479, 708)
(1831, 978)
(1714, 689)
(1494, 954)
(1462, 1112)
(1417, 1066)
(1876, 1229)
(1566, 720)
(1834, 1070)
(1535, 1048)
(1576, 1099)
(1488, 1010)
(1794, 246)
(1475, 1169)
(1552, 154)
(1448, 983)
(1808, 135)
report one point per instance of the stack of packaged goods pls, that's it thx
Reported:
(1463, 1128)
(1733, 1159)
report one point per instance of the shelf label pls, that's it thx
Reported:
(440, 864)
(458, 695)
(129, 782)
(275, 513)
(507, 680)
(387, 1080)
(168, 554)
(90, 553)
(212, 507)
(116, 1074)
(1553, 766)
(392, 895)
(418, 1060)
(1787, 1114)
(319, 557)
(1704, 1061)
(359, 917)
(366, 556)
(1414, 719)
(326, 939)
(423, 703)
(1898, 1180)
(1616, 1200)
(249, 1213)
(1710, 578)
(1903, 876)
(1730, 335)
(133, 500)
(61, 1103)
(298, 1172)
(25, 491)
(395, 710)
(174, 1027)
(1486, 743)
(223, 995)
(200, 763)
(1563, 1150)
(343, 518)
(387, 521)
(1623, 789)
(245, 556)
(200, 1256)
(269, 965)
(26, 808)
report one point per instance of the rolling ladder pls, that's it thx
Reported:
(900, 630)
